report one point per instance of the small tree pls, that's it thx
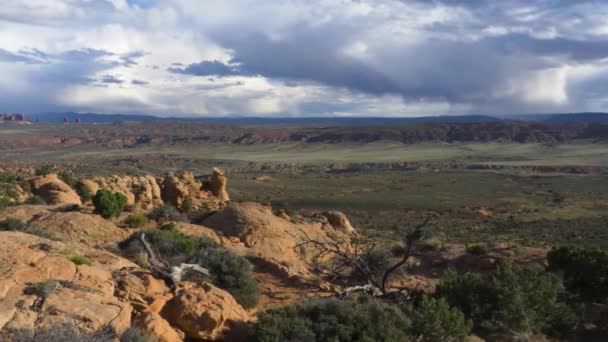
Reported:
(136, 221)
(228, 270)
(333, 320)
(44, 170)
(434, 320)
(369, 263)
(12, 224)
(511, 300)
(585, 271)
(109, 204)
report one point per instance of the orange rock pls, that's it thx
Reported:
(158, 327)
(218, 184)
(54, 190)
(339, 221)
(206, 312)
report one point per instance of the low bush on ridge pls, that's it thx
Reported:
(229, 271)
(109, 204)
(511, 299)
(136, 221)
(348, 320)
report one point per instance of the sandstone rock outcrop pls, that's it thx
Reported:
(271, 238)
(339, 221)
(159, 329)
(69, 226)
(141, 191)
(206, 312)
(16, 194)
(54, 190)
(179, 186)
(40, 287)
(197, 311)
(218, 182)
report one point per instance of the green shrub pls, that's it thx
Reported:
(187, 206)
(137, 335)
(4, 202)
(333, 320)
(35, 200)
(477, 250)
(431, 244)
(71, 333)
(168, 213)
(170, 242)
(84, 192)
(229, 271)
(585, 271)
(136, 221)
(80, 260)
(12, 224)
(68, 178)
(43, 289)
(42, 234)
(511, 298)
(8, 178)
(434, 320)
(44, 170)
(168, 226)
(109, 204)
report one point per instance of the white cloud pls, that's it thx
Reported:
(366, 57)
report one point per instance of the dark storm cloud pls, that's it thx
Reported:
(111, 79)
(454, 62)
(309, 55)
(59, 71)
(129, 59)
(319, 56)
(206, 68)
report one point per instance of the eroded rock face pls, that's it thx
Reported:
(206, 312)
(198, 311)
(148, 296)
(40, 287)
(272, 238)
(159, 329)
(142, 192)
(19, 195)
(53, 190)
(69, 226)
(218, 182)
(340, 222)
(177, 187)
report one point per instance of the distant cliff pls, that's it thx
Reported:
(182, 134)
(11, 117)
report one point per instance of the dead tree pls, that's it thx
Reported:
(161, 269)
(355, 257)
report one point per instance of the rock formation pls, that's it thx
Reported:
(69, 226)
(177, 187)
(142, 192)
(53, 190)
(42, 288)
(271, 238)
(218, 184)
(207, 312)
(194, 311)
(13, 118)
(340, 222)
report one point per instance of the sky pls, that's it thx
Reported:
(304, 57)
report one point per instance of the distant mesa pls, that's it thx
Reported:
(13, 118)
